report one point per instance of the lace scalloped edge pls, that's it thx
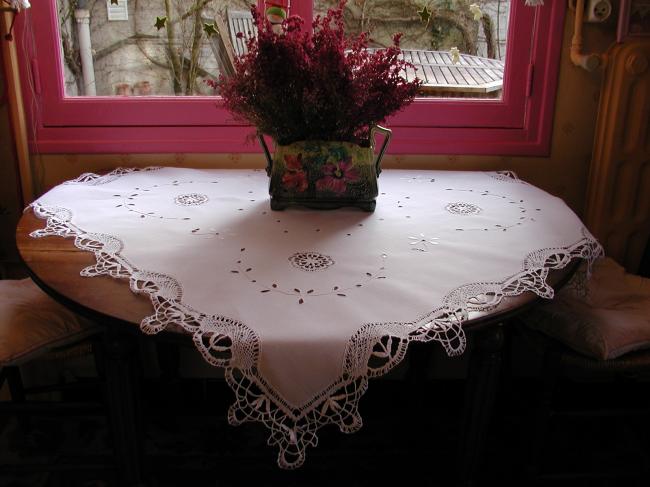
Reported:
(373, 350)
(92, 179)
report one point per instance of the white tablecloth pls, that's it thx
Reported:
(301, 307)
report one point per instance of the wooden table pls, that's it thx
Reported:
(472, 76)
(55, 263)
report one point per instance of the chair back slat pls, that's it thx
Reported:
(240, 21)
(226, 46)
(222, 47)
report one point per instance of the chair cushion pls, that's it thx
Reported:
(609, 319)
(32, 323)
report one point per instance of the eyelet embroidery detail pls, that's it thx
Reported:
(248, 271)
(461, 208)
(422, 242)
(375, 349)
(311, 261)
(131, 201)
(191, 199)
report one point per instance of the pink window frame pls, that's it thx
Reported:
(518, 124)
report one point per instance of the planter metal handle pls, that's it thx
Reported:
(267, 153)
(387, 133)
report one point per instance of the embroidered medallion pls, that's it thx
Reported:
(191, 199)
(311, 261)
(368, 347)
(461, 208)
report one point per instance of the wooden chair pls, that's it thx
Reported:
(240, 21)
(560, 366)
(222, 47)
(226, 45)
(599, 341)
(33, 327)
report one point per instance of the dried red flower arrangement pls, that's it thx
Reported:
(300, 84)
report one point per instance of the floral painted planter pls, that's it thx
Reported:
(324, 174)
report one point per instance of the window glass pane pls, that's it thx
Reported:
(114, 47)
(432, 32)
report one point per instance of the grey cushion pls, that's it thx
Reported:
(606, 318)
(32, 323)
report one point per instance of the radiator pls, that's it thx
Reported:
(618, 194)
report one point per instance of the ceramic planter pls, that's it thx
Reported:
(324, 174)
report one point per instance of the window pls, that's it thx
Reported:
(458, 49)
(148, 95)
(146, 47)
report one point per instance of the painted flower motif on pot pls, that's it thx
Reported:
(294, 177)
(337, 176)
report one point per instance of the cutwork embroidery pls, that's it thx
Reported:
(191, 199)
(130, 200)
(311, 261)
(461, 208)
(341, 290)
(423, 242)
(373, 350)
(516, 211)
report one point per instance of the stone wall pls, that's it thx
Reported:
(131, 56)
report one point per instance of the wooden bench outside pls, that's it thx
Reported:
(472, 76)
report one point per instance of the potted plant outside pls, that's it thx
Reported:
(320, 96)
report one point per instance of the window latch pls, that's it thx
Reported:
(529, 80)
(36, 77)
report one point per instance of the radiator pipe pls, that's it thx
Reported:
(591, 62)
